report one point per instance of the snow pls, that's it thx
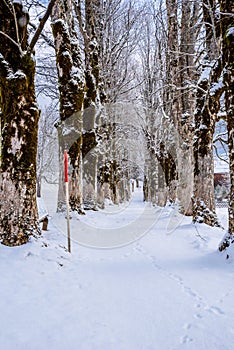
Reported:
(169, 288)
(17, 75)
(230, 31)
(205, 75)
(202, 127)
(68, 55)
(216, 87)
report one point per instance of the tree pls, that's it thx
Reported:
(47, 153)
(209, 91)
(92, 102)
(106, 28)
(71, 96)
(19, 123)
(190, 29)
(152, 57)
(118, 40)
(168, 54)
(227, 34)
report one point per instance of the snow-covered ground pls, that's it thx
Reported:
(166, 287)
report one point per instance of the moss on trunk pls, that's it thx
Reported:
(19, 121)
(71, 90)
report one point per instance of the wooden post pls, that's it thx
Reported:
(67, 200)
(45, 224)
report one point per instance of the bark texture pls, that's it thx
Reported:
(207, 107)
(92, 103)
(171, 98)
(189, 32)
(227, 32)
(209, 91)
(71, 89)
(19, 123)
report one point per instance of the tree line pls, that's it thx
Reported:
(140, 87)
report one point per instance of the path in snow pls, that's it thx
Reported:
(168, 290)
(114, 226)
(185, 299)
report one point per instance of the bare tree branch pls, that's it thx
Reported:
(217, 154)
(12, 40)
(16, 26)
(47, 40)
(41, 25)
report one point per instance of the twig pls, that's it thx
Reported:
(16, 26)
(47, 40)
(7, 5)
(217, 154)
(41, 26)
(12, 40)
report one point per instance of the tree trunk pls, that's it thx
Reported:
(230, 126)
(207, 106)
(189, 32)
(71, 89)
(92, 103)
(227, 32)
(150, 187)
(205, 118)
(19, 122)
(172, 102)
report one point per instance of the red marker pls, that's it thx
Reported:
(65, 166)
(67, 199)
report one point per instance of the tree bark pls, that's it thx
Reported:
(207, 107)
(92, 102)
(208, 96)
(227, 32)
(172, 98)
(189, 32)
(71, 89)
(19, 123)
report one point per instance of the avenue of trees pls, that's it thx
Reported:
(135, 91)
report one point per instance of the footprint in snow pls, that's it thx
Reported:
(215, 310)
(28, 254)
(190, 292)
(186, 339)
(177, 278)
(187, 326)
(155, 264)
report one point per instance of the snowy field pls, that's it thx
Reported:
(159, 284)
